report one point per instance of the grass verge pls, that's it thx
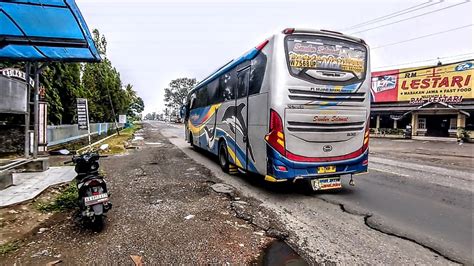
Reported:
(66, 200)
(117, 143)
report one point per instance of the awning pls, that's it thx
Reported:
(44, 30)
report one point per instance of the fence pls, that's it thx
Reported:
(66, 133)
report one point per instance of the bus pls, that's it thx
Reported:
(294, 108)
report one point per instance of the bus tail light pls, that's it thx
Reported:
(366, 137)
(276, 137)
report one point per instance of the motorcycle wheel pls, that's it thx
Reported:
(98, 223)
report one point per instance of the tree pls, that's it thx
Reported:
(136, 105)
(176, 94)
(104, 87)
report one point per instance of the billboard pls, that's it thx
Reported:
(451, 83)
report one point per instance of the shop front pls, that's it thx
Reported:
(436, 101)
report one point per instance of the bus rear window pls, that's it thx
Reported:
(312, 52)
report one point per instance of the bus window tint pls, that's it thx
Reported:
(201, 97)
(213, 92)
(226, 87)
(243, 83)
(257, 72)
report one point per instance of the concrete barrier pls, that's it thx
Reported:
(66, 133)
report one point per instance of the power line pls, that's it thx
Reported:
(409, 18)
(394, 14)
(421, 37)
(427, 60)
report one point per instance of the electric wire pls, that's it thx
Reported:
(413, 17)
(394, 14)
(421, 37)
(426, 60)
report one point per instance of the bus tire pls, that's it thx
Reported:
(223, 157)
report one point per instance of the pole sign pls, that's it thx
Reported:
(82, 114)
(122, 119)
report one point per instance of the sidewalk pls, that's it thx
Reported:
(426, 152)
(27, 186)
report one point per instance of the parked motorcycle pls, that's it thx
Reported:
(93, 194)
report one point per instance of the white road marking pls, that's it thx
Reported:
(389, 172)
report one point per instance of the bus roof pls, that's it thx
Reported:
(249, 55)
(252, 53)
(322, 32)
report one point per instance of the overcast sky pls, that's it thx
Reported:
(152, 42)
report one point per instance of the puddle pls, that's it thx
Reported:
(279, 253)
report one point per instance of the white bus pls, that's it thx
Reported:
(296, 107)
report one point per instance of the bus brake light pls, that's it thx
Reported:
(276, 138)
(365, 145)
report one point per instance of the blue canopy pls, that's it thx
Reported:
(44, 30)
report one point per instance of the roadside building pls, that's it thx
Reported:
(437, 101)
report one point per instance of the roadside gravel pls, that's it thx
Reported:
(164, 211)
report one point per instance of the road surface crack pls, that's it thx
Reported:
(380, 230)
(367, 223)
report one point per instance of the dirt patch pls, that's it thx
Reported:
(20, 221)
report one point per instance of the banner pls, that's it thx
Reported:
(450, 83)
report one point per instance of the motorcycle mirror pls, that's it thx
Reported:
(104, 147)
(64, 152)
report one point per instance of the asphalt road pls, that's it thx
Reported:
(424, 206)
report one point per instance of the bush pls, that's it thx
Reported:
(462, 134)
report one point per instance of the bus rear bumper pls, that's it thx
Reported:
(280, 168)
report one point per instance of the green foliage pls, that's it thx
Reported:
(462, 134)
(7, 248)
(65, 201)
(100, 83)
(176, 94)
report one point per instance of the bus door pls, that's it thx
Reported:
(241, 117)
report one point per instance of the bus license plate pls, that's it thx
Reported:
(326, 183)
(91, 200)
(326, 169)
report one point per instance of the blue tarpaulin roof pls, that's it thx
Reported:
(44, 30)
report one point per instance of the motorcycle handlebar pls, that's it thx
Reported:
(103, 156)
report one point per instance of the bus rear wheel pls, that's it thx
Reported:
(223, 157)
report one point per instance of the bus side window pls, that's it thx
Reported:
(201, 97)
(257, 73)
(226, 87)
(213, 92)
(243, 83)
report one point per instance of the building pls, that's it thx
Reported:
(437, 101)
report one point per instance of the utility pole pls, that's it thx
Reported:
(113, 112)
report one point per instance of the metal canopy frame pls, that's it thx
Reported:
(44, 31)
(21, 36)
